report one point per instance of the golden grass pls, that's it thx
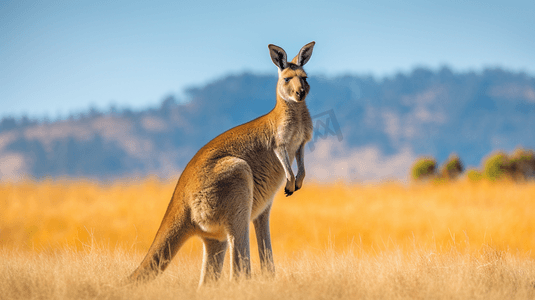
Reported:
(448, 240)
(48, 215)
(393, 274)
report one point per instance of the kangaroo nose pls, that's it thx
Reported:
(300, 93)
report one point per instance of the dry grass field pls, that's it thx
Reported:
(73, 239)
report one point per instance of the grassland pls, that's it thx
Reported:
(70, 239)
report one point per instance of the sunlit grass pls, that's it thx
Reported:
(51, 214)
(96, 273)
(71, 239)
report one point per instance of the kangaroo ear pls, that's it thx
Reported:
(304, 54)
(278, 56)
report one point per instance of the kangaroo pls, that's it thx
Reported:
(232, 180)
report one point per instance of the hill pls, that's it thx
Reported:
(366, 129)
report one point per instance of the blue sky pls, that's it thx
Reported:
(61, 57)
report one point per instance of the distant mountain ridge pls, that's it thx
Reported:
(384, 124)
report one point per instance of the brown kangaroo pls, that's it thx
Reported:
(232, 180)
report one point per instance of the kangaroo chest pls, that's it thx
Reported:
(294, 132)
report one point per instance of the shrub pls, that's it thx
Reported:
(423, 168)
(452, 168)
(474, 175)
(522, 164)
(497, 166)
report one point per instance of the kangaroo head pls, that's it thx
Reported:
(292, 84)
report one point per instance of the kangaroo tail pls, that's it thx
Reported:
(174, 231)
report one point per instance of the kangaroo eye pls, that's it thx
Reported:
(287, 79)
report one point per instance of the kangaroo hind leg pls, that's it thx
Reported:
(263, 238)
(213, 257)
(235, 192)
(240, 256)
